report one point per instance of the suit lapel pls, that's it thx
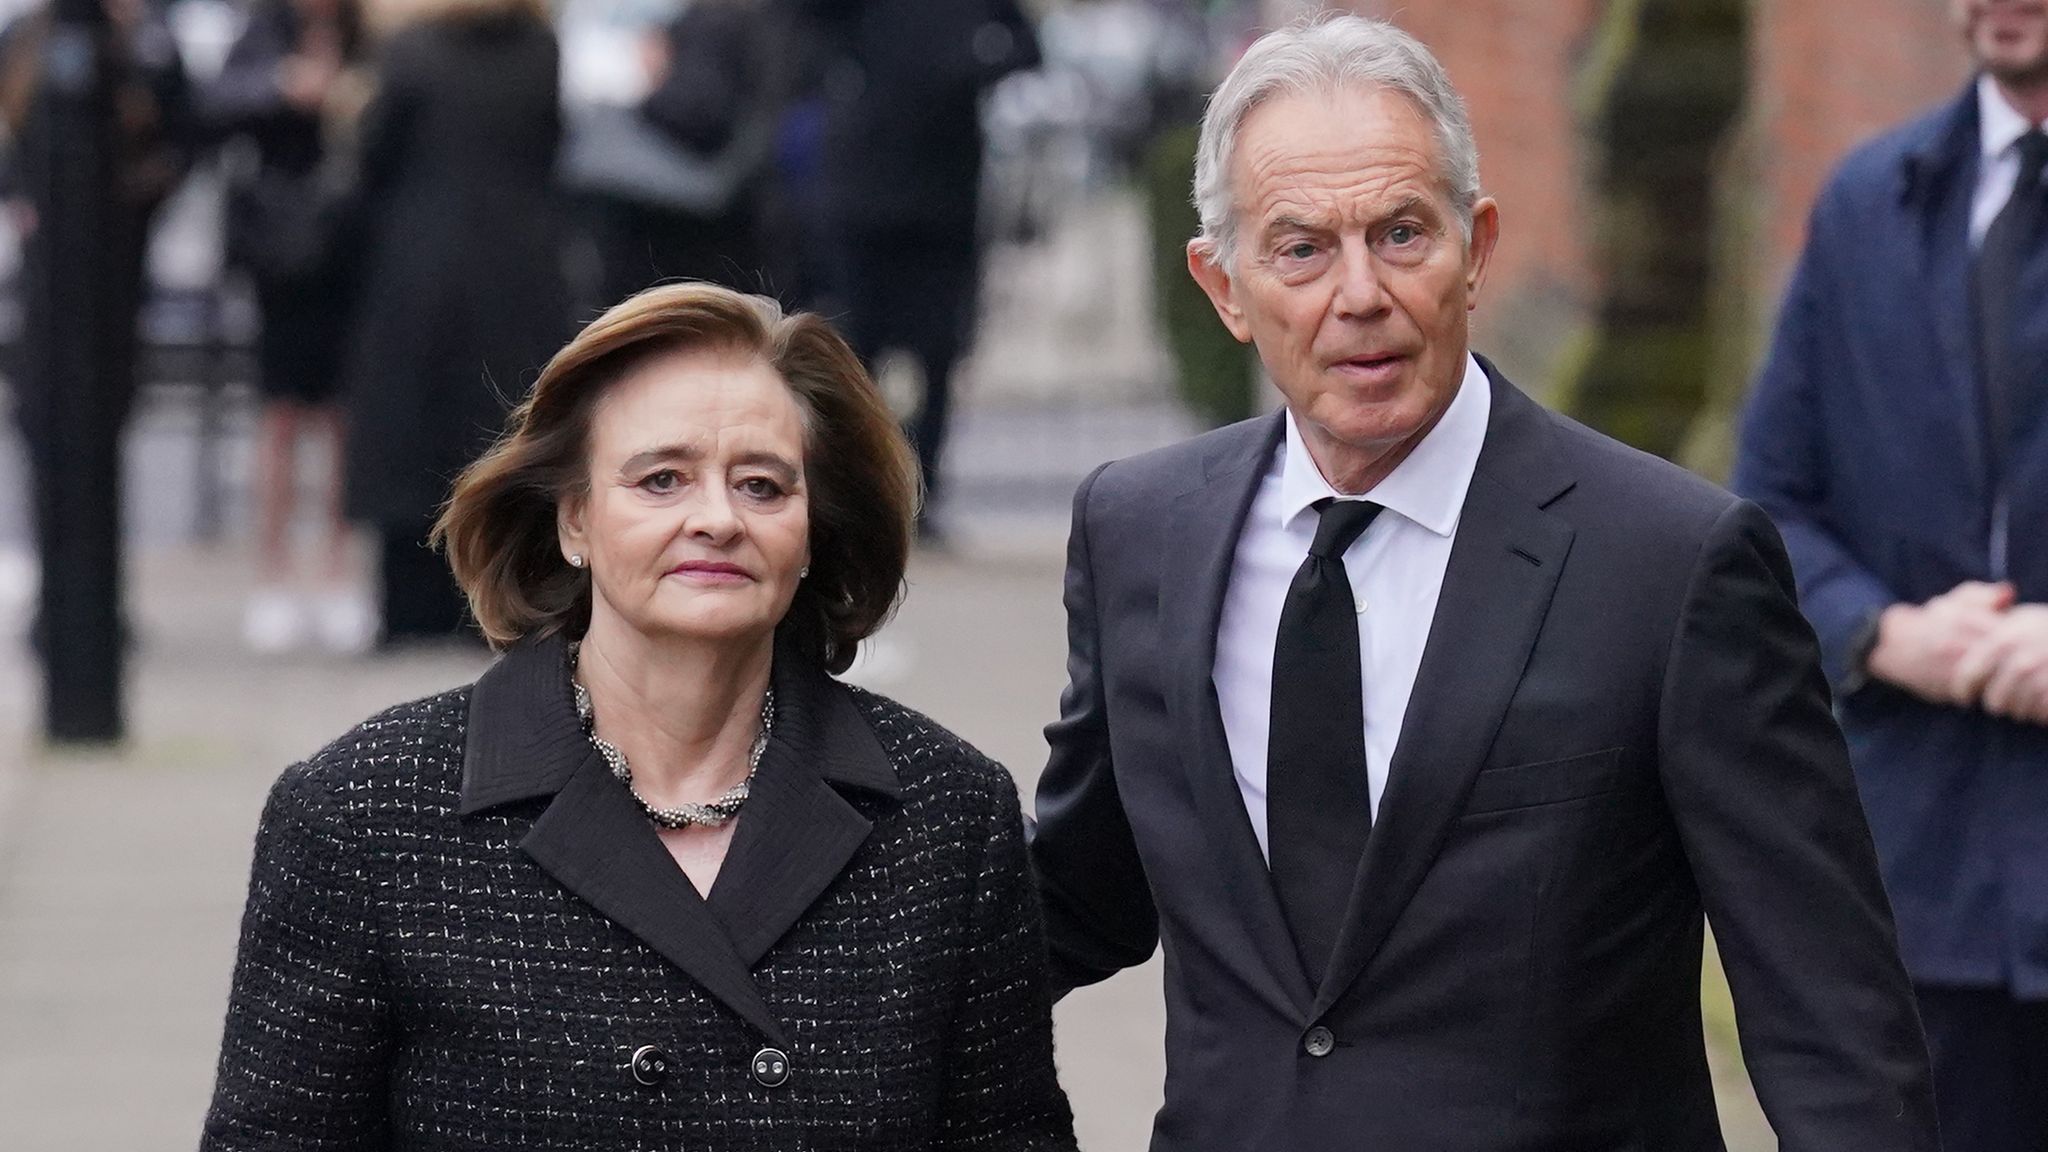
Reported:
(1206, 524)
(1497, 587)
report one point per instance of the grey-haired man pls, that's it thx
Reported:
(1425, 729)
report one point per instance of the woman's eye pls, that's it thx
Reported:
(760, 487)
(665, 480)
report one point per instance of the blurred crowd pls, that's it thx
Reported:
(427, 196)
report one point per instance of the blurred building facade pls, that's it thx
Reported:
(1656, 161)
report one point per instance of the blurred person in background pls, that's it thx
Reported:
(1898, 433)
(1426, 728)
(902, 175)
(657, 879)
(463, 295)
(287, 229)
(713, 69)
(153, 141)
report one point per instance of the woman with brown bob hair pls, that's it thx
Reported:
(656, 879)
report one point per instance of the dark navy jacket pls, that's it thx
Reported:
(1863, 439)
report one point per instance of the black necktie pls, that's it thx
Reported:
(2001, 260)
(1318, 807)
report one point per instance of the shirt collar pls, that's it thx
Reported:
(1998, 123)
(1428, 487)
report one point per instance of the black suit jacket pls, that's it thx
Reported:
(462, 934)
(1619, 723)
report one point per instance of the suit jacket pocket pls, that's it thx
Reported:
(1546, 782)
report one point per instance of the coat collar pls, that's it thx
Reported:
(524, 740)
(1946, 149)
(799, 830)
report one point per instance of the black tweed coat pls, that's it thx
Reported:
(462, 934)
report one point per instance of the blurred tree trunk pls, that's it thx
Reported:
(1663, 95)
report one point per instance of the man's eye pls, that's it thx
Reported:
(1299, 250)
(1402, 235)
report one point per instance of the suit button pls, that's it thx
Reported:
(650, 1065)
(771, 1068)
(1318, 1042)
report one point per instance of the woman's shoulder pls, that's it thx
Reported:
(408, 754)
(929, 758)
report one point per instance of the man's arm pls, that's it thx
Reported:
(1099, 916)
(1758, 782)
(1781, 464)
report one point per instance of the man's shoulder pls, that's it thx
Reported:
(1166, 472)
(1622, 488)
(1880, 169)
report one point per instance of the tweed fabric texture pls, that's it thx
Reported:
(409, 977)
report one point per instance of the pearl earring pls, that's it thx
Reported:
(575, 559)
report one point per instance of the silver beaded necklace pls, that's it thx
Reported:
(709, 815)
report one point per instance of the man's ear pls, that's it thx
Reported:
(1479, 253)
(1216, 282)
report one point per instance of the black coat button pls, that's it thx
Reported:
(650, 1065)
(771, 1068)
(1318, 1042)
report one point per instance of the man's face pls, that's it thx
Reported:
(2009, 38)
(1351, 274)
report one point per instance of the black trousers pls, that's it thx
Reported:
(913, 289)
(420, 597)
(1990, 1055)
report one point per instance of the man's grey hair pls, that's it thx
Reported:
(1327, 53)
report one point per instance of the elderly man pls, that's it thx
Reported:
(1425, 728)
(1899, 435)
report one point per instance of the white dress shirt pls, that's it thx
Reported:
(1999, 127)
(1396, 570)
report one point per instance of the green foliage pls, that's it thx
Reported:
(1213, 370)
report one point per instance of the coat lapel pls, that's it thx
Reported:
(1206, 523)
(798, 831)
(1936, 184)
(1497, 587)
(796, 834)
(599, 845)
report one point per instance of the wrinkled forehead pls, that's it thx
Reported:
(1351, 154)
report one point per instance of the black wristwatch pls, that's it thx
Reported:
(1861, 643)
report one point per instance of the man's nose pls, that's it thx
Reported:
(1360, 290)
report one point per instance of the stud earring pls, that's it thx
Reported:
(803, 572)
(575, 559)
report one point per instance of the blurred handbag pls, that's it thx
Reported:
(287, 228)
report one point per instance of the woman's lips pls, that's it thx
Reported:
(711, 572)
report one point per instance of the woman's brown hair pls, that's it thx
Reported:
(499, 526)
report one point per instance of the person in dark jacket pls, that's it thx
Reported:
(274, 92)
(152, 137)
(464, 295)
(656, 880)
(1898, 434)
(903, 151)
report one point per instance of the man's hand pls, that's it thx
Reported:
(2006, 669)
(1919, 647)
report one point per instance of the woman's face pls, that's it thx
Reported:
(697, 521)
